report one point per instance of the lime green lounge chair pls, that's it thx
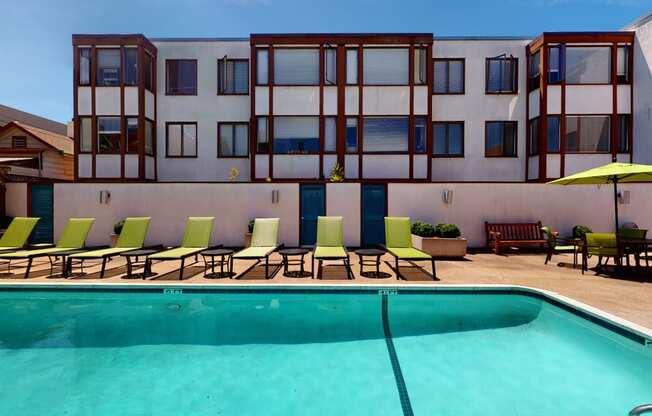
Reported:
(635, 249)
(264, 241)
(17, 234)
(603, 245)
(132, 237)
(330, 245)
(196, 238)
(72, 239)
(398, 242)
(557, 245)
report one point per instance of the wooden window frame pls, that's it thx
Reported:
(273, 134)
(90, 150)
(378, 116)
(358, 150)
(414, 135)
(126, 124)
(515, 85)
(572, 152)
(97, 137)
(121, 74)
(273, 68)
(357, 66)
(628, 139)
(533, 79)
(90, 66)
(258, 151)
(628, 62)
(167, 139)
(534, 150)
(548, 117)
(565, 49)
(167, 76)
(153, 124)
(448, 155)
(448, 60)
(368, 84)
(486, 130)
(219, 76)
(232, 125)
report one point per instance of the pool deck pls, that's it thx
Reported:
(629, 298)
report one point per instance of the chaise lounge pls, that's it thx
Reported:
(17, 234)
(398, 241)
(330, 245)
(264, 241)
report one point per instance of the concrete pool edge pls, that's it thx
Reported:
(601, 317)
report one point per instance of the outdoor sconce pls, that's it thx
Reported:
(105, 197)
(623, 197)
(447, 196)
(275, 196)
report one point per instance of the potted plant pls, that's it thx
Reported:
(579, 231)
(337, 173)
(117, 229)
(247, 236)
(442, 240)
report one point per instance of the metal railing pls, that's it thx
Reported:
(639, 410)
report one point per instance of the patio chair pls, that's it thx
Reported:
(633, 234)
(398, 242)
(264, 241)
(557, 245)
(602, 245)
(330, 245)
(16, 235)
(196, 238)
(131, 238)
(72, 238)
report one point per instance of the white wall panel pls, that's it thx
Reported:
(624, 103)
(262, 166)
(343, 199)
(351, 170)
(107, 101)
(386, 100)
(262, 101)
(553, 166)
(149, 105)
(351, 104)
(84, 101)
(578, 162)
(385, 166)
(131, 166)
(420, 166)
(107, 166)
(131, 101)
(296, 100)
(533, 100)
(330, 101)
(533, 167)
(554, 99)
(84, 165)
(296, 166)
(588, 99)
(329, 163)
(421, 97)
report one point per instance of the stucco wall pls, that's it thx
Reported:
(643, 93)
(16, 199)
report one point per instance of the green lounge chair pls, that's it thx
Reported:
(196, 238)
(16, 235)
(601, 245)
(72, 238)
(398, 240)
(264, 241)
(636, 250)
(330, 245)
(557, 245)
(131, 238)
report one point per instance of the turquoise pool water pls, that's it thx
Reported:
(299, 353)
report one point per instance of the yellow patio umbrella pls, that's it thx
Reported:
(614, 173)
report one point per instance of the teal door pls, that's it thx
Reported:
(42, 203)
(374, 210)
(313, 204)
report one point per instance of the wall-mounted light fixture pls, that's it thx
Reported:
(447, 196)
(275, 196)
(623, 197)
(105, 197)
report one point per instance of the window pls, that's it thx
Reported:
(296, 66)
(296, 135)
(449, 76)
(262, 145)
(623, 133)
(385, 66)
(351, 135)
(85, 135)
(553, 134)
(148, 72)
(181, 77)
(330, 69)
(132, 135)
(555, 64)
(108, 67)
(181, 140)
(108, 135)
(19, 142)
(420, 66)
(262, 67)
(149, 137)
(500, 139)
(534, 70)
(502, 75)
(587, 134)
(232, 76)
(131, 66)
(233, 140)
(84, 66)
(588, 65)
(448, 139)
(385, 135)
(351, 66)
(622, 65)
(533, 127)
(420, 134)
(330, 134)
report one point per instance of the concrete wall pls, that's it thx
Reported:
(16, 199)
(643, 92)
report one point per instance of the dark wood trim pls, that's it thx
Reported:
(543, 117)
(631, 101)
(562, 125)
(360, 110)
(411, 124)
(270, 114)
(253, 120)
(154, 75)
(219, 76)
(580, 37)
(93, 115)
(448, 60)
(429, 127)
(528, 90)
(141, 114)
(340, 38)
(181, 123)
(448, 122)
(614, 101)
(123, 121)
(75, 111)
(515, 155)
(322, 127)
(232, 124)
(112, 40)
(341, 104)
(167, 77)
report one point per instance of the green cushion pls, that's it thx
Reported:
(176, 253)
(265, 232)
(632, 233)
(254, 252)
(601, 240)
(398, 232)
(18, 232)
(24, 254)
(565, 248)
(98, 254)
(330, 232)
(409, 253)
(75, 233)
(133, 232)
(9, 248)
(329, 252)
(198, 232)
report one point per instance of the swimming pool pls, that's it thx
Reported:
(303, 352)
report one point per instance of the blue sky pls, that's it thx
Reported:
(36, 34)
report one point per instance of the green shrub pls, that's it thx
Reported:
(423, 229)
(447, 231)
(580, 230)
(117, 227)
(337, 173)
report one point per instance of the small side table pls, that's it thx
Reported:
(133, 261)
(374, 261)
(213, 257)
(287, 261)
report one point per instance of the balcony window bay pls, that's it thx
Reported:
(588, 134)
(181, 77)
(385, 66)
(296, 135)
(296, 66)
(108, 134)
(385, 135)
(108, 67)
(588, 65)
(131, 66)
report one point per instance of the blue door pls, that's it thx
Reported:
(42, 206)
(374, 210)
(313, 204)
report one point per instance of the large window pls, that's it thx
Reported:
(108, 134)
(131, 66)
(181, 77)
(534, 70)
(448, 139)
(296, 66)
(502, 75)
(588, 65)
(330, 66)
(554, 134)
(149, 137)
(148, 72)
(84, 66)
(262, 66)
(623, 133)
(587, 134)
(85, 135)
(108, 67)
(420, 134)
(233, 76)
(296, 135)
(555, 64)
(351, 135)
(233, 140)
(351, 66)
(533, 130)
(330, 134)
(623, 70)
(449, 76)
(262, 138)
(385, 135)
(132, 134)
(181, 140)
(500, 139)
(385, 66)
(420, 66)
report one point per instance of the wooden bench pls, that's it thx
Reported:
(516, 234)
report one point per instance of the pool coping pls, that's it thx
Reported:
(606, 319)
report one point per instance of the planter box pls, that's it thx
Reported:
(247, 240)
(440, 247)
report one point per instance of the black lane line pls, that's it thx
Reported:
(396, 366)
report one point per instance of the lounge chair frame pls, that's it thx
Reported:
(397, 260)
(316, 273)
(195, 253)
